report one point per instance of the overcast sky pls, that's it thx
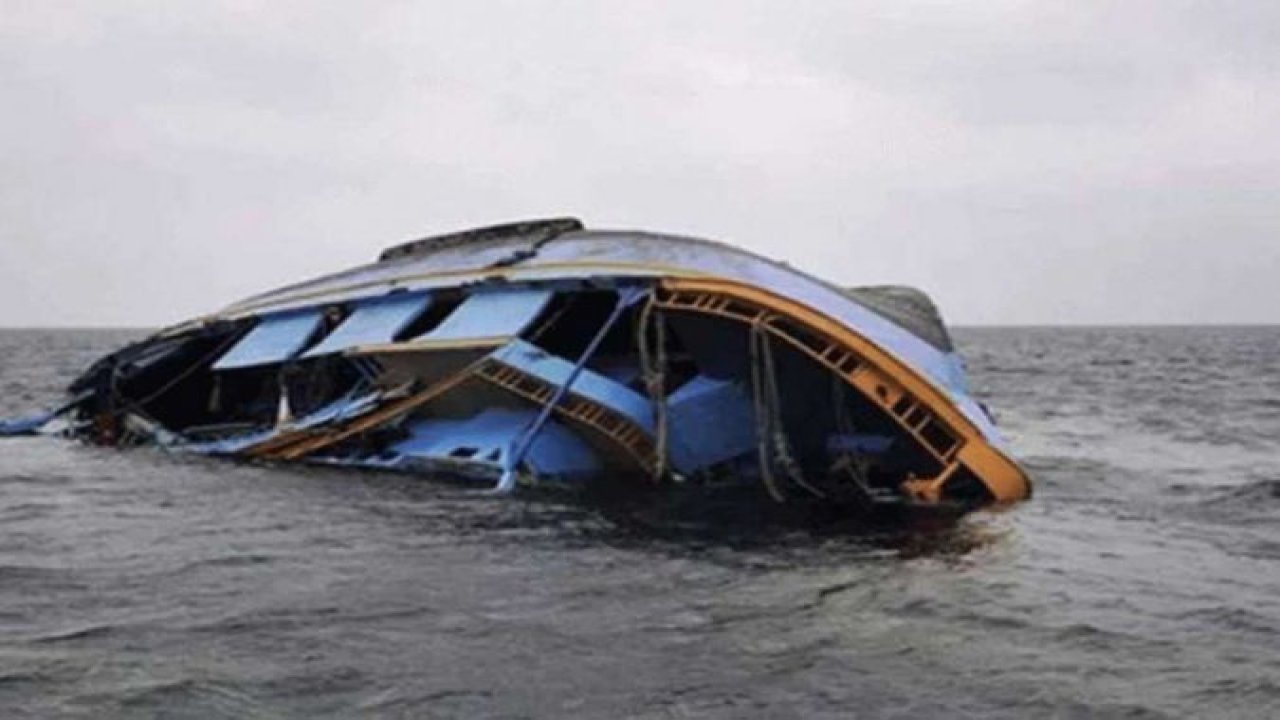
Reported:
(1024, 162)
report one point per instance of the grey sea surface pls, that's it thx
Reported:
(1142, 581)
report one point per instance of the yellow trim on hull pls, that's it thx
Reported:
(877, 374)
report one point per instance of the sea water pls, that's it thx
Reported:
(1143, 579)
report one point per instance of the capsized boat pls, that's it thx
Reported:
(544, 353)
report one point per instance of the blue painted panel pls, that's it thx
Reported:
(556, 370)
(493, 314)
(24, 426)
(711, 421)
(373, 321)
(487, 437)
(275, 339)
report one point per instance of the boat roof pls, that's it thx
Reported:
(565, 241)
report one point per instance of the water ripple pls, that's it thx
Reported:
(1139, 583)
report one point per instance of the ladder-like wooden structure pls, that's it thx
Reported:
(911, 414)
(604, 421)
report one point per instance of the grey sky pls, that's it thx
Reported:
(1025, 162)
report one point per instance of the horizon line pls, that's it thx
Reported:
(950, 326)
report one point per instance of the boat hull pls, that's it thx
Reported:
(544, 353)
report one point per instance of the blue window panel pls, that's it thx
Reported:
(275, 339)
(489, 318)
(373, 322)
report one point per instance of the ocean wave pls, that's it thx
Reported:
(1254, 495)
